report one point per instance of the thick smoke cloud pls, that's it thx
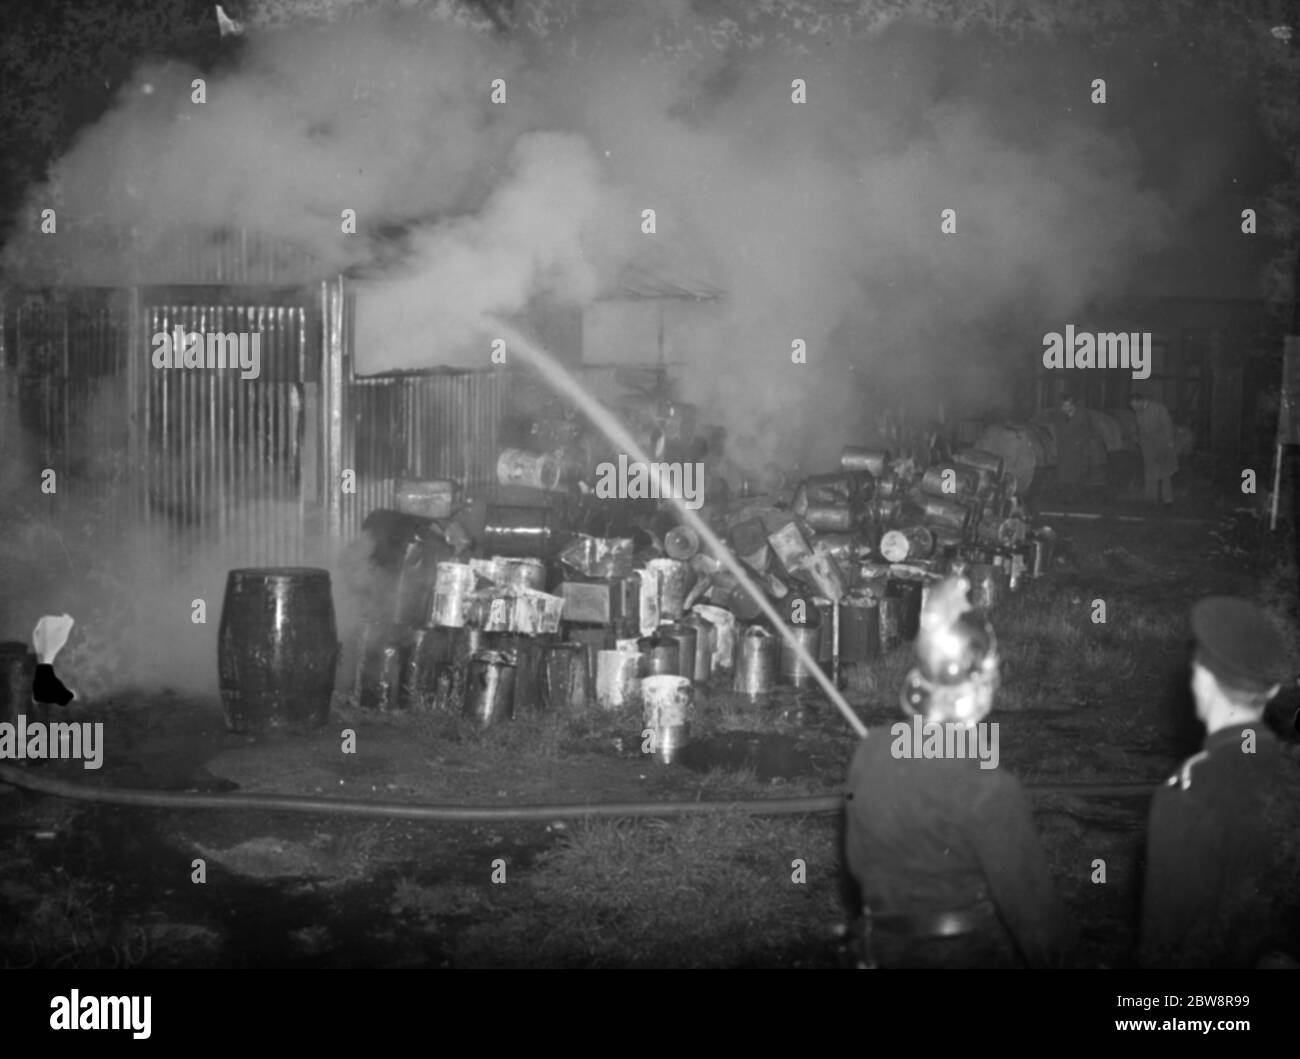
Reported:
(820, 220)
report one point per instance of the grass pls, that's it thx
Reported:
(693, 892)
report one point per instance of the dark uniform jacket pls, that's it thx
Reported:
(925, 836)
(1080, 451)
(1220, 877)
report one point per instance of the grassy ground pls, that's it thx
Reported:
(1083, 700)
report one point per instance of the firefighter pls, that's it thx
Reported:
(1221, 843)
(943, 851)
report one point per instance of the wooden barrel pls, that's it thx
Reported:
(1021, 450)
(1107, 426)
(277, 648)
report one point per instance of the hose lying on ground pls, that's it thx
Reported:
(287, 803)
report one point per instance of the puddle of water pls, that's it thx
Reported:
(770, 755)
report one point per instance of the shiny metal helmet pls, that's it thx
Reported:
(957, 668)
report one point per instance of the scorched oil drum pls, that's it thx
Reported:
(277, 648)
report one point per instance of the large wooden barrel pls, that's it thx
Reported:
(1021, 451)
(1107, 426)
(277, 648)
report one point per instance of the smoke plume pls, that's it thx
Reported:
(820, 220)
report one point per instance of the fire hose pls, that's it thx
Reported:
(286, 803)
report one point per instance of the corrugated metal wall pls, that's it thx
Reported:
(66, 389)
(223, 455)
(250, 469)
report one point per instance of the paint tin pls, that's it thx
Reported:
(950, 480)
(855, 458)
(667, 705)
(669, 576)
(428, 657)
(452, 588)
(907, 593)
(661, 656)
(519, 531)
(489, 689)
(724, 636)
(564, 678)
(828, 518)
(684, 635)
(519, 573)
(681, 543)
(914, 542)
(618, 679)
(859, 629)
(790, 545)
(592, 639)
(946, 513)
(425, 499)
(757, 652)
(792, 668)
(535, 470)
(704, 647)
(17, 671)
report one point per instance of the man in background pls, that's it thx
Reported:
(1080, 453)
(1155, 431)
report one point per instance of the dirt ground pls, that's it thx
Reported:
(91, 885)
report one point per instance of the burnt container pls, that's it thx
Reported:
(17, 671)
(277, 648)
(793, 669)
(428, 665)
(526, 532)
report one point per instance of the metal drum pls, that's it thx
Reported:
(860, 633)
(382, 653)
(951, 480)
(565, 688)
(793, 669)
(854, 458)
(757, 652)
(667, 703)
(908, 592)
(490, 687)
(662, 656)
(526, 654)
(277, 648)
(535, 470)
(519, 531)
(17, 671)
